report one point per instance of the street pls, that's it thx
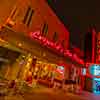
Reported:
(49, 94)
(42, 95)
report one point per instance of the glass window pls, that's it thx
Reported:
(63, 43)
(45, 29)
(28, 16)
(55, 36)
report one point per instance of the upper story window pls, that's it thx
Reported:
(28, 16)
(12, 17)
(63, 43)
(55, 36)
(13, 13)
(45, 29)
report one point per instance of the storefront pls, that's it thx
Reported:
(92, 78)
(50, 62)
(43, 72)
(28, 50)
(8, 55)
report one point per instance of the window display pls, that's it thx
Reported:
(96, 85)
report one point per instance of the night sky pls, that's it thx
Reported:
(78, 16)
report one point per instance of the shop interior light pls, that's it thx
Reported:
(19, 44)
(23, 56)
(83, 71)
(30, 59)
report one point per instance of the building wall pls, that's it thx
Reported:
(15, 15)
(5, 9)
(42, 14)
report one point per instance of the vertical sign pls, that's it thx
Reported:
(93, 46)
(98, 49)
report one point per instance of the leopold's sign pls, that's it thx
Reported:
(46, 42)
(57, 46)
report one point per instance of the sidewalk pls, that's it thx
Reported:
(35, 92)
(13, 97)
(45, 92)
(84, 95)
(90, 96)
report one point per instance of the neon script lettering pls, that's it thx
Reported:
(44, 41)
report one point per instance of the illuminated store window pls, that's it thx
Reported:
(28, 16)
(96, 85)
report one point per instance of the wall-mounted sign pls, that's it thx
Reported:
(56, 46)
(95, 69)
(98, 49)
(46, 42)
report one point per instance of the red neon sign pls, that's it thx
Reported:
(45, 41)
(57, 46)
